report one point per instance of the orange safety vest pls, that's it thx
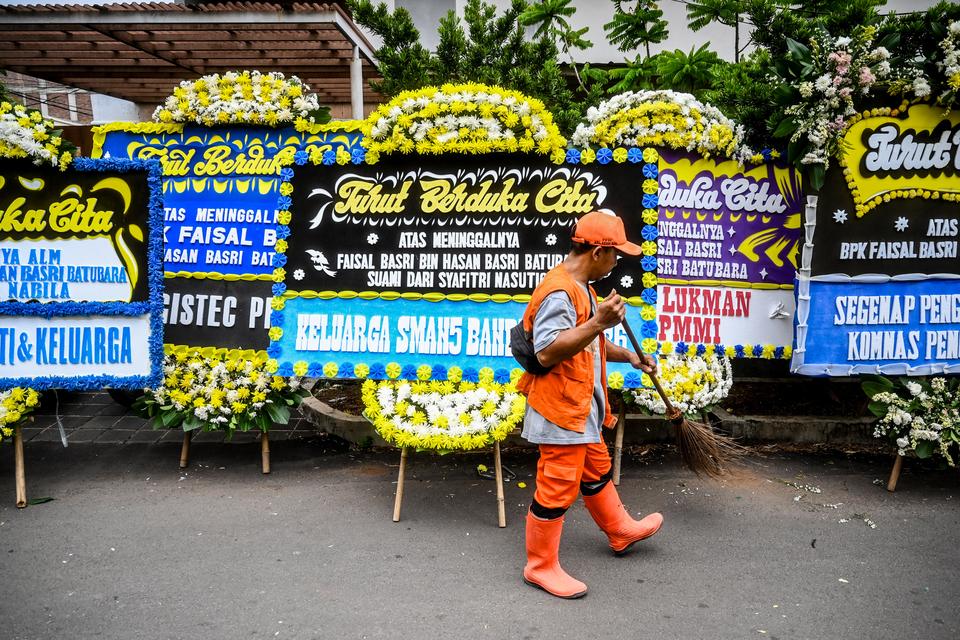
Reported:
(564, 395)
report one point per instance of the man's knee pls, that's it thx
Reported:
(592, 488)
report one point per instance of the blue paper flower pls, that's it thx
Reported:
(680, 348)
(573, 156)
(649, 263)
(635, 155)
(279, 259)
(284, 202)
(274, 350)
(301, 157)
(738, 349)
(604, 155)
(650, 170)
(409, 372)
(650, 201)
(757, 350)
(720, 349)
(315, 370)
(501, 376)
(470, 374)
(286, 174)
(778, 353)
(767, 154)
(357, 156)
(276, 318)
(649, 296)
(439, 372)
(278, 289)
(632, 380)
(377, 371)
(285, 369)
(345, 371)
(648, 329)
(701, 349)
(649, 232)
(283, 231)
(329, 157)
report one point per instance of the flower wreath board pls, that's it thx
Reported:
(879, 291)
(407, 262)
(81, 278)
(221, 190)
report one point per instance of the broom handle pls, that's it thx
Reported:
(653, 376)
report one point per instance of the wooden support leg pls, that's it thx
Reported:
(265, 452)
(399, 499)
(185, 449)
(21, 477)
(501, 512)
(895, 473)
(618, 441)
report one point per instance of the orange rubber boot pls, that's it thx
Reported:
(611, 516)
(543, 566)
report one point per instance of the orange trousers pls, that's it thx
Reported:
(561, 469)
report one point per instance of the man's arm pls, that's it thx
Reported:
(616, 353)
(570, 342)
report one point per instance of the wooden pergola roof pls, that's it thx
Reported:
(141, 51)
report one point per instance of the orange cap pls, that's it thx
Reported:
(604, 230)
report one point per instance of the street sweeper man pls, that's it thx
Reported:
(567, 405)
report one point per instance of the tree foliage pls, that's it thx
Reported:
(640, 26)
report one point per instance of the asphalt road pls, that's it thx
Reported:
(130, 547)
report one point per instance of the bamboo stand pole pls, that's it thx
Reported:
(895, 473)
(618, 442)
(185, 449)
(399, 499)
(21, 477)
(501, 512)
(265, 452)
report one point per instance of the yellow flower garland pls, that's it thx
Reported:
(25, 133)
(15, 406)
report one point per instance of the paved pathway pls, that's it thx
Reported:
(96, 417)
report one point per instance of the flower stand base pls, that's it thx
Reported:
(185, 449)
(895, 473)
(498, 470)
(265, 452)
(19, 473)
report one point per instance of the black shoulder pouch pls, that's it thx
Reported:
(521, 344)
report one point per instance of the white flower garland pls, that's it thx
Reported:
(461, 118)
(920, 411)
(693, 384)
(25, 133)
(950, 65)
(661, 118)
(442, 415)
(244, 97)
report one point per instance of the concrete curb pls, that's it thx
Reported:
(641, 429)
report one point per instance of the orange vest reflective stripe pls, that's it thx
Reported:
(564, 395)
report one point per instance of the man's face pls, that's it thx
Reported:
(605, 259)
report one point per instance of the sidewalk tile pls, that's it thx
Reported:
(50, 434)
(99, 422)
(131, 422)
(208, 436)
(115, 436)
(145, 436)
(84, 435)
(171, 435)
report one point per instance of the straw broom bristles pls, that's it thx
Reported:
(701, 449)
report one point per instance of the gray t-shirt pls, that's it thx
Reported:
(557, 314)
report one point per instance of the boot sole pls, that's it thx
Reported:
(626, 549)
(556, 595)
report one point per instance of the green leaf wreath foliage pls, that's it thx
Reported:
(917, 415)
(220, 392)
